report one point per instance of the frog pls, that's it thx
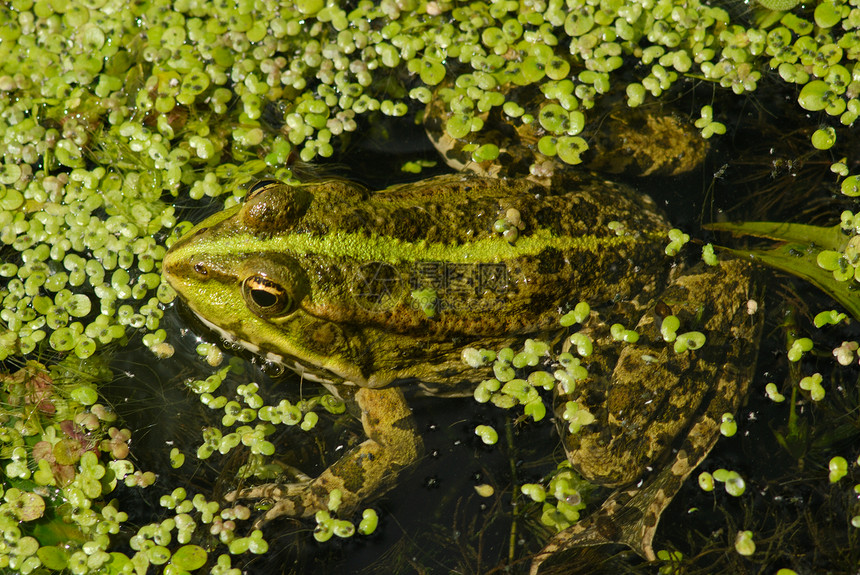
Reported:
(340, 284)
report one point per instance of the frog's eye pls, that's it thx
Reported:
(260, 186)
(266, 298)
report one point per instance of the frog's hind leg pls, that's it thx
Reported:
(631, 514)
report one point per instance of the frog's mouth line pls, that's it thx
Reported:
(305, 371)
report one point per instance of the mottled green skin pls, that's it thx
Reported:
(565, 252)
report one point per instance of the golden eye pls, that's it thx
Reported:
(259, 187)
(265, 297)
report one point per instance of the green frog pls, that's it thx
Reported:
(369, 292)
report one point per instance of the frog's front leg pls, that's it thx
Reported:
(367, 470)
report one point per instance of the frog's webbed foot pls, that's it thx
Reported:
(290, 499)
(367, 470)
(629, 517)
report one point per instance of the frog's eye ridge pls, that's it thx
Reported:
(265, 297)
(260, 186)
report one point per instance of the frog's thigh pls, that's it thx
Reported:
(630, 515)
(366, 470)
(656, 395)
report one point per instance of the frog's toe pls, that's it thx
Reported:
(282, 508)
(290, 500)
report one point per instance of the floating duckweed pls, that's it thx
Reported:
(426, 300)
(670, 556)
(583, 343)
(576, 416)
(177, 459)
(325, 526)
(773, 393)
(824, 138)
(708, 255)
(779, 5)
(816, 96)
(812, 384)
(620, 333)
(840, 168)
(535, 409)
(734, 483)
(547, 145)
(691, 340)
(458, 126)
(369, 522)
(669, 328)
(744, 543)
(728, 425)
(477, 357)
(573, 371)
(571, 148)
(799, 347)
(332, 404)
(677, 240)
(158, 554)
(335, 496)
(309, 422)
(706, 481)
(502, 369)
(707, 125)
(635, 94)
(851, 188)
(487, 434)
(845, 353)
(542, 379)
(838, 467)
(485, 153)
(484, 490)
(581, 312)
(431, 72)
(534, 491)
(512, 109)
(521, 391)
(343, 528)
(84, 394)
(836, 262)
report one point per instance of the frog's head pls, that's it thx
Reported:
(239, 274)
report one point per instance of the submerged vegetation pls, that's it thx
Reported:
(116, 120)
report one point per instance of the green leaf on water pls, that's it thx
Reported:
(798, 255)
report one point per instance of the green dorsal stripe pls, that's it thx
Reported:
(391, 250)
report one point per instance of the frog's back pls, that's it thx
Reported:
(582, 238)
